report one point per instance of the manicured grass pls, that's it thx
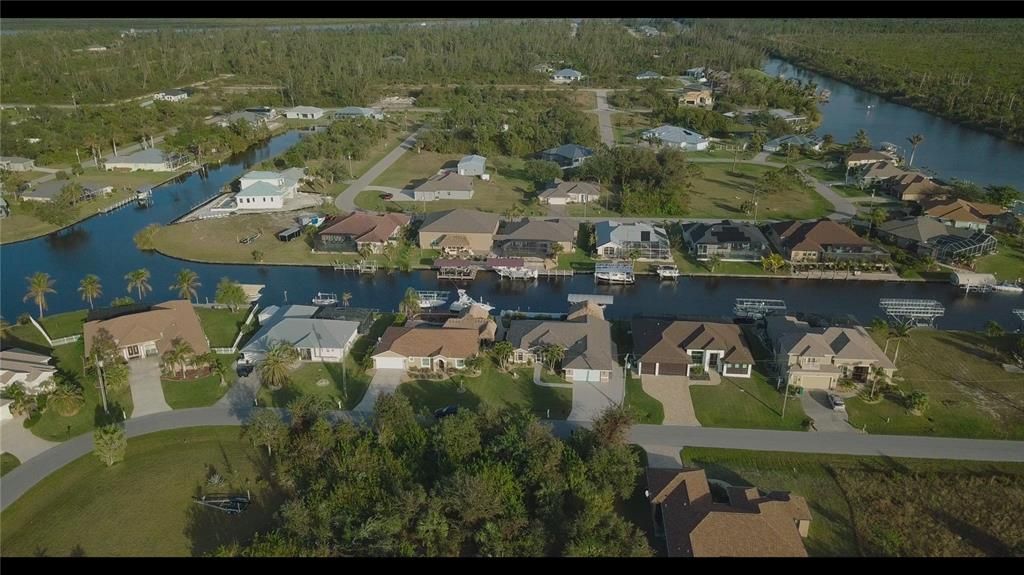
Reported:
(577, 260)
(647, 409)
(7, 463)
(745, 403)
(1007, 263)
(64, 324)
(834, 174)
(221, 325)
(876, 506)
(202, 392)
(492, 387)
(727, 154)
(143, 505)
(128, 179)
(850, 191)
(720, 193)
(969, 393)
(591, 210)
(547, 376)
(689, 265)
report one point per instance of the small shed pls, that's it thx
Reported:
(289, 234)
(472, 165)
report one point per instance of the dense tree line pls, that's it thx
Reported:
(643, 181)
(342, 139)
(755, 88)
(492, 484)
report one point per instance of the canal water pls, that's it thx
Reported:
(949, 150)
(103, 246)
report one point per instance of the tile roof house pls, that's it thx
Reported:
(676, 137)
(562, 193)
(819, 357)
(534, 238)
(616, 240)
(961, 213)
(822, 241)
(567, 155)
(751, 524)
(927, 236)
(148, 333)
(865, 157)
(444, 186)
(696, 95)
(459, 231)
(472, 166)
(585, 336)
(879, 171)
(730, 241)
(670, 347)
(32, 370)
(425, 348)
(476, 318)
(913, 187)
(361, 229)
(316, 339)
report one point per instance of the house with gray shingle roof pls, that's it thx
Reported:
(472, 166)
(585, 336)
(534, 238)
(561, 193)
(566, 75)
(444, 186)
(357, 112)
(316, 339)
(459, 231)
(676, 137)
(567, 155)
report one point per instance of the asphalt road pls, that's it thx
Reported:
(346, 200)
(604, 118)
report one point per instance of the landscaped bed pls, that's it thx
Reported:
(202, 391)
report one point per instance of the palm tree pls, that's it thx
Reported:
(633, 255)
(553, 353)
(346, 297)
(501, 352)
(556, 249)
(713, 262)
(273, 369)
(899, 332)
(186, 283)
(91, 288)
(39, 285)
(410, 305)
(880, 377)
(138, 280)
(772, 263)
(181, 353)
(915, 141)
(66, 399)
(877, 217)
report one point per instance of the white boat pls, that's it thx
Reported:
(464, 302)
(517, 273)
(615, 277)
(431, 299)
(1008, 288)
(323, 298)
(668, 272)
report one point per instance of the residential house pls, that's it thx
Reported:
(751, 524)
(926, 236)
(817, 358)
(913, 187)
(690, 348)
(316, 339)
(567, 155)
(649, 75)
(444, 186)
(268, 190)
(543, 69)
(303, 113)
(357, 112)
(459, 231)
(696, 74)
(250, 117)
(566, 76)
(50, 190)
(16, 164)
(149, 332)
(171, 96)
(696, 95)
(360, 230)
(649, 31)
(822, 242)
(865, 157)
(792, 140)
(584, 335)
(676, 137)
(151, 159)
(961, 213)
(32, 370)
(476, 318)
(425, 348)
(730, 241)
(562, 193)
(534, 238)
(618, 240)
(878, 172)
(472, 166)
(787, 116)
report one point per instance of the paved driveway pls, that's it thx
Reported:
(21, 442)
(604, 118)
(347, 199)
(590, 398)
(383, 382)
(816, 406)
(144, 379)
(673, 392)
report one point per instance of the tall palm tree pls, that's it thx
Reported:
(410, 305)
(91, 288)
(915, 141)
(273, 369)
(346, 297)
(39, 285)
(501, 351)
(186, 283)
(554, 353)
(138, 280)
(180, 354)
(899, 332)
(633, 255)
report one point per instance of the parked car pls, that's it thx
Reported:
(837, 402)
(244, 369)
(386, 196)
(446, 411)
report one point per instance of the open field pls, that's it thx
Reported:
(143, 505)
(875, 506)
(722, 190)
(398, 129)
(969, 393)
(629, 125)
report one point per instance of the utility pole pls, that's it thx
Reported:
(785, 396)
(103, 386)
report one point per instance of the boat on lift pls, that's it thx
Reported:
(668, 272)
(1008, 288)
(323, 298)
(432, 299)
(614, 273)
(465, 302)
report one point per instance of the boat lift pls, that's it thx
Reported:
(920, 312)
(758, 308)
(1019, 312)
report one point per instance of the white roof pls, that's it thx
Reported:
(260, 189)
(568, 72)
(674, 134)
(304, 332)
(150, 156)
(306, 110)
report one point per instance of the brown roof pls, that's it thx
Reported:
(366, 227)
(484, 326)
(446, 181)
(812, 236)
(582, 309)
(666, 341)
(750, 525)
(563, 189)
(454, 241)
(586, 338)
(916, 184)
(538, 230)
(870, 155)
(161, 323)
(460, 220)
(429, 342)
(960, 210)
(883, 170)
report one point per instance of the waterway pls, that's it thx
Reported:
(949, 150)
(103, 246)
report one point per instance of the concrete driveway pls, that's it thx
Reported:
(21, 442)
(590, 398)
(673, 391)
(384, 381)
(147, 394)
(817, 407)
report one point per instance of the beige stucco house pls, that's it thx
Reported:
(459, 232)
(425, 348)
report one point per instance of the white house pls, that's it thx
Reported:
(357, 112)
(153, 159)
(16, 164)
(566, 76)
(676, 137)
(32, 370)
(303, 113)
(171, 96)
(268, 190)
(649, 75)
(316, 339)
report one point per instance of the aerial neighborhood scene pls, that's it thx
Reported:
(482, 287)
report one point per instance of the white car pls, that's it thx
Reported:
(836, 402)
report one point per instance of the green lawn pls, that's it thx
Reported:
(875, 506)
(1007, 263)
(745, 403)
(591, 210)
(143, 506)
(969, 393)
(577, 260)
(629, 125)
(492, 387)
(647, 409)
(202, 392)
(64, 324)
(850, 191)
(688, 264)
(7, 463)
(221, 325)
(834, 174)
(723, 189)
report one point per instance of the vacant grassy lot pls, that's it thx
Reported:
(398, 129)
(7, 463)
(629, 125)
(1007, 263)
(143, 505)
(874, 506)
(723, 189)
(492, 387)
(969, 393)
(221, 325)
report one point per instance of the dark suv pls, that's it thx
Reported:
(446, 411)
(244, 369)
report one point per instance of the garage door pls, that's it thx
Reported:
(647, 368)
(389, 362)
(809, 381)
(672, 369)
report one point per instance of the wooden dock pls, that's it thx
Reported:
(555, 273)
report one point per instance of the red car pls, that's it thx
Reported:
(386, 196)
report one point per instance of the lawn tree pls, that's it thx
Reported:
(276, 364)
(67, 398)
(138, 280)
(917, 402)
(915, 141)
(633, 255)
(91, 288)
(410, 305)
(1003, 196)
(541, 172)
(186, 282)
(772, 263)
(266, 429)
(899, 332)
(219, 368)
(556, 250)
(180, 354)
(861, 140)
(827, 140)
(22, 402)
(994, 332)
(231, 294)
(877, 218)
(257, 256)
(502, 352)
(553, 354)
(39, 284)
(346, 298)
(110, 444)
(879, 379)
(713, 262)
